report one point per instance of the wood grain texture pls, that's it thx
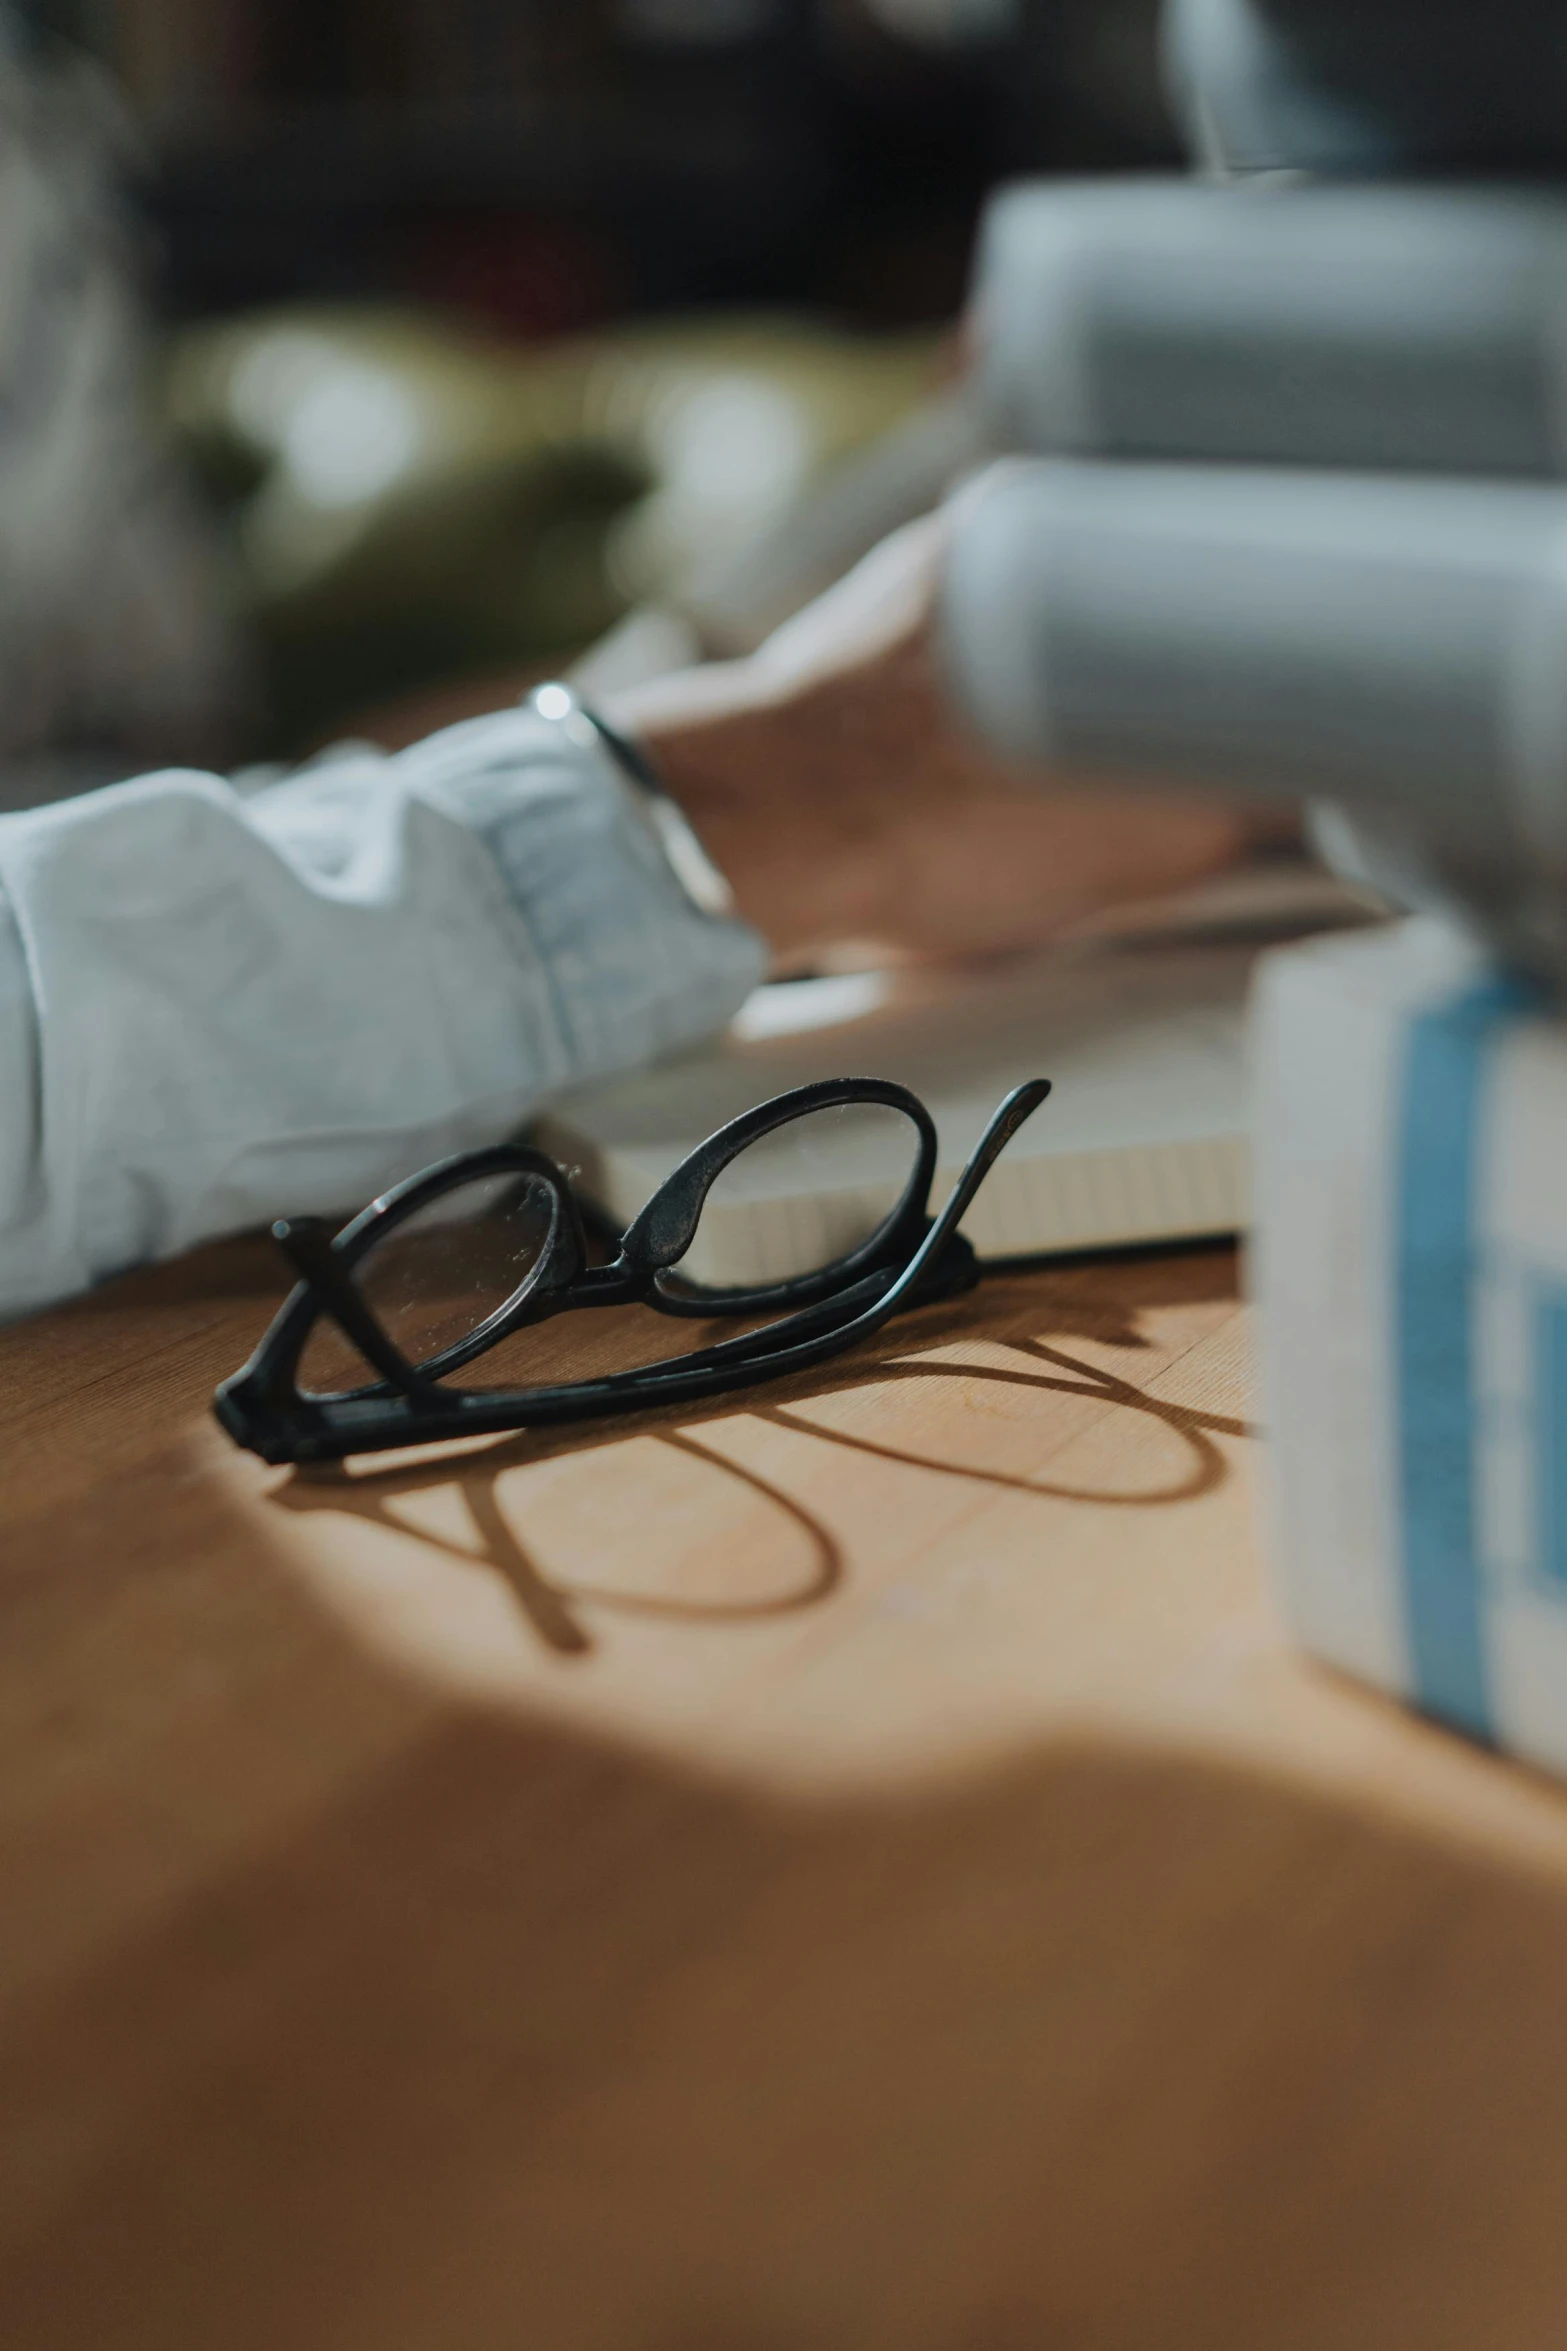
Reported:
(855, 1868)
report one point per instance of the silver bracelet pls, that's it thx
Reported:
(697, 875)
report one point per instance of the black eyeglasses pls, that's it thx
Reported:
(461, 1265)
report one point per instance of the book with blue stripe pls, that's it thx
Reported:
(1411, 1264)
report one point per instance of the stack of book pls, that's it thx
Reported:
(1292, 522)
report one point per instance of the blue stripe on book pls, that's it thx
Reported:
(1550, 1435)
(1443, 1092)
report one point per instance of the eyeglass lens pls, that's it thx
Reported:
(799, 1199)
(433, 1278)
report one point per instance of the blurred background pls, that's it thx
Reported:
(402, 345)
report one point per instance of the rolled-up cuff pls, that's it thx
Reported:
(635, 969)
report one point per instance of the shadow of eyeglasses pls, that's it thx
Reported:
(552, 1611)
(555, 1614)
(1196, 1429)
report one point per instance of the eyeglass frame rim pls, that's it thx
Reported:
(263, 1409)
(648, 1246)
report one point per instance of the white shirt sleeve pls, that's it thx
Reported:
(215, 1010)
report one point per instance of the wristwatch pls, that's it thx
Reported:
(698, 877)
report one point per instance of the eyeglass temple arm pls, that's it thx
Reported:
(953, 1271)
(306, 1241)
(1019, 1106)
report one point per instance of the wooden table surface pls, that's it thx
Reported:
(854, 1867)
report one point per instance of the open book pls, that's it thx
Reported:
(1143, 1139)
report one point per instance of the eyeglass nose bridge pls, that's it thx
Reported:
(661, 1233)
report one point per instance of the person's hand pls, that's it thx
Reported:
(831, 785)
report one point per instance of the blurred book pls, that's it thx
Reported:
(1143, 1139)
(1400, 329)
(1391, 644)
